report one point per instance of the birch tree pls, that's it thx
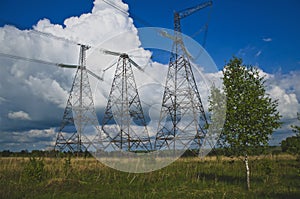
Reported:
(251, 114)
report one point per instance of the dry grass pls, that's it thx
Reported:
(210, 177)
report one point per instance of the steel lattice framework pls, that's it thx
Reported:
(123, 119)
(182, 117)
(79, 113)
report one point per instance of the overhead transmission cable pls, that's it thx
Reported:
(146, 23)
(49, 35)
(142, 21)
(48, 63)
(54, 36)
(104, 51)
(115, 6)
(64, 66)
(28, 59)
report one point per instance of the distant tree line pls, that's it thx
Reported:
(42, 153)
(292, 144)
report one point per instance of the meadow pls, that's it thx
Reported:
(276, 176)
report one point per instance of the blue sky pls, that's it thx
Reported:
(32, 98)
(264, 33)
(24, 14)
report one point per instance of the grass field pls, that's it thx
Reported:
(271, 177)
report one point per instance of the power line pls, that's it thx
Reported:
(101, 50)
(49, 63)
(146, 23)
(115, 6)
(49, 35)
(63, 66)
(142, 21)
(54, 37)
(28, 59)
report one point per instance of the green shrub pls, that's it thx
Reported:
(34, 170)
(67, 167)
(291, 145)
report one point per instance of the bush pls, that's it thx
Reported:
(34, 169)
(291, 145)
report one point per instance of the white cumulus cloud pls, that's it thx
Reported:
(42, 89)
(19, 115)
(287, 102)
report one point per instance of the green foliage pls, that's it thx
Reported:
(291, 145)
(251, 114)
(34, 170)
(217, 110)
(67, 167)
(295, 128)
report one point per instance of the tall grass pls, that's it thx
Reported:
(211, 177)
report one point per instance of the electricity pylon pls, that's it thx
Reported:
(182, 120)
(79, 112)
(124, 119)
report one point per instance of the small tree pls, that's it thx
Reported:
(251, 114)
(217, 110)
(295, 128)
(292, 144)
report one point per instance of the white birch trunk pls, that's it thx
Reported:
(247, 171)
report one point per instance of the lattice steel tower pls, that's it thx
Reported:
(124, 119)
(79, 112)
(182, 118)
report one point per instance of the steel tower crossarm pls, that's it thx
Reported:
(188, 11)
(179, 45)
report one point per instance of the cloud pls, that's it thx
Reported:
(286, 89)
(42, 89)
(249, 53)
(267, 39)
(288, 82)
(31, 140)
(287, 102)
(2, 100)
(246, 50)
(258, 53)
(19, 115)
(55, 93)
